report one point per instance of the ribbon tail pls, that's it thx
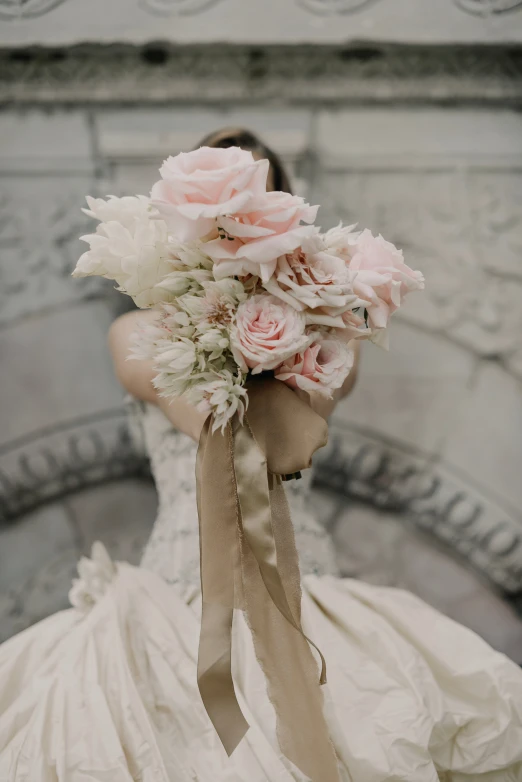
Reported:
(262, 499)
(272, 596)
(281, 520)
(215, 681)
(219, 536)
(249, 561)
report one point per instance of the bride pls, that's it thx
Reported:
(106, 691)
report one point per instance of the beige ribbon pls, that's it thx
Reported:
(249, 561)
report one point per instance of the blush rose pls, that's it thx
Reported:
(266, 332)
(199, 186)
(322, 367)
(382, 278)
(256, 236)
(317, 282)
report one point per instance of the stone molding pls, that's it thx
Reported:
(362, 466)
(178, 7)
(356, 464)
(66, 458)
(159, 73)
(32, 9)
(331, 7)
(488, 7)
(66, 22)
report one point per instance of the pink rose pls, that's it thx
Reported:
(256, 235)
(322, 367)
(267, 331)
(197, 187)
(317, 282)
(382, 278)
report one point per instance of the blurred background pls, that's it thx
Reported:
(401, 115)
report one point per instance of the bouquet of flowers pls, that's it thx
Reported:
(243, 279)
(247, 285)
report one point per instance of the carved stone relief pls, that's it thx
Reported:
(326, 7)
(357, 465)
(460, 224)
(486, 7)
(30, 9)
(65, 459)
(257, 22)
(223, 75)
(39, 230)
(177, 7)
(26, 9)
(464, 230)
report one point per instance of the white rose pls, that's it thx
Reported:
(130, 246)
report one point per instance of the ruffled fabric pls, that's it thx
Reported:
(106, 691)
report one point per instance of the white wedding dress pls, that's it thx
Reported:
(106, 691)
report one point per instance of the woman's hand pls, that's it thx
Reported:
(137, 376)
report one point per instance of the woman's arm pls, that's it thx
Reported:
(137, 376)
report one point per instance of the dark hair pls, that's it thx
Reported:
(240, 137)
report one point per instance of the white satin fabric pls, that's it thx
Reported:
(106, 691)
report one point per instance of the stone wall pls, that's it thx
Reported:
(429, 153)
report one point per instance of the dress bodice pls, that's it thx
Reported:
(173, 547)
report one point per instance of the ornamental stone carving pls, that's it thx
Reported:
(26, 9)
(177, 7)
(39, 245)
(299, 74)
(465, 234)
(488, 7)
(326, 7)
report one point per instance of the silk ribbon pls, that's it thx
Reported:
(249, 562)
